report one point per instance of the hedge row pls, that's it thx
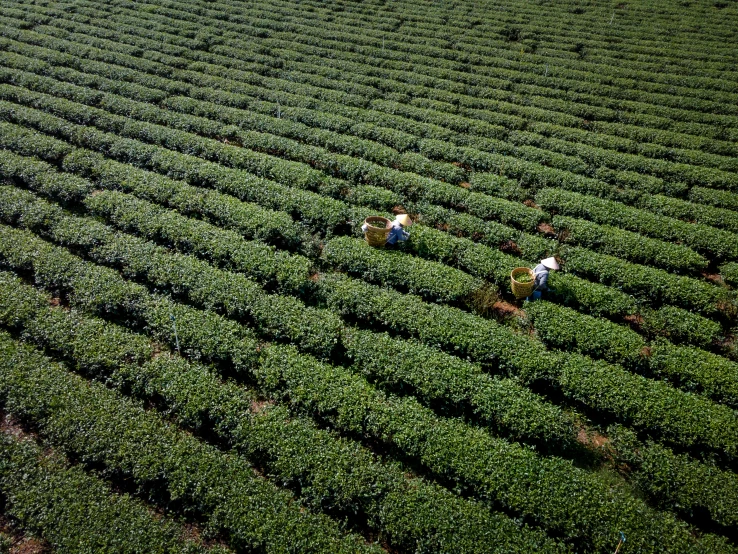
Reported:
(589, 295)
(79, 37)
(280, 317)
(267, 18)
(271, 20)
(265, 121)
(260, 261)
(628, 245)
(690, 211)
(200, 16)
(540, 488)
(705, 239)
(452, 385)
(569, 160)
(226, 248)
(74, 511)
(310, 157)
(329, 474)
(687, 367)
(431, 280)
(307, 206)
(680, 326)
(675, 481)
(695, 369)
(490, 264)
(266, 166)
(137, 445)
(729, 273)
(536, 153)
(247, 219)
(501, 71)
(713, 197)
(425, 26)
(423, 51)
(652, 285)
(565, 329)
(651, 406)
(23, 209)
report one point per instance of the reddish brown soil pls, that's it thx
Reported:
(714, 277)
(259, 405)
(634, 320)
(592, 439)
(510, 247)
(55, 302)
(9, 426)
(397, 210)
(547, 229)
(531, 204)
(22, 544)
(505, 309)
(464, 185)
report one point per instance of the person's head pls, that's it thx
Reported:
(550, 263)
(404, 220)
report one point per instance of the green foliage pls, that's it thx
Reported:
(451, 383)
(90, 421)
(695, 369)
(77, 512)
(652, 406)
(676, 481)
(281, 317)
(729, 273)
(283, 367)
(567, 330)
(432, 280)
(328, 473)
(681, 326)
(307, 206)
(716, 243)
(628, 245)
(289, 124)
(649, 283)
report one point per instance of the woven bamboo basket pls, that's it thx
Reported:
(376, 236)
(522, 290)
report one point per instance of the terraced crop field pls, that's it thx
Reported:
(200, 353)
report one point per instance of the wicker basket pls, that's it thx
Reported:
(376, 236)
(522, 290)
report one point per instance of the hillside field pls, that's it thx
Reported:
(200, 353)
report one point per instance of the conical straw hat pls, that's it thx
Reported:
(550, 263)
(404, 220)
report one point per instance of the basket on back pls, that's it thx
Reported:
(377, 231)
(522, 289)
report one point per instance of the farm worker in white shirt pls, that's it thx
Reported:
(540, 272)
(397, 232)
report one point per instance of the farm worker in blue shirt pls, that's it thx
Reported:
(397, 232)
(540, 272)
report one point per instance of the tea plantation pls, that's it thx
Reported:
(199, 352)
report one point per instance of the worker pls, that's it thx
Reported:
(397, 229)
(540, 272)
